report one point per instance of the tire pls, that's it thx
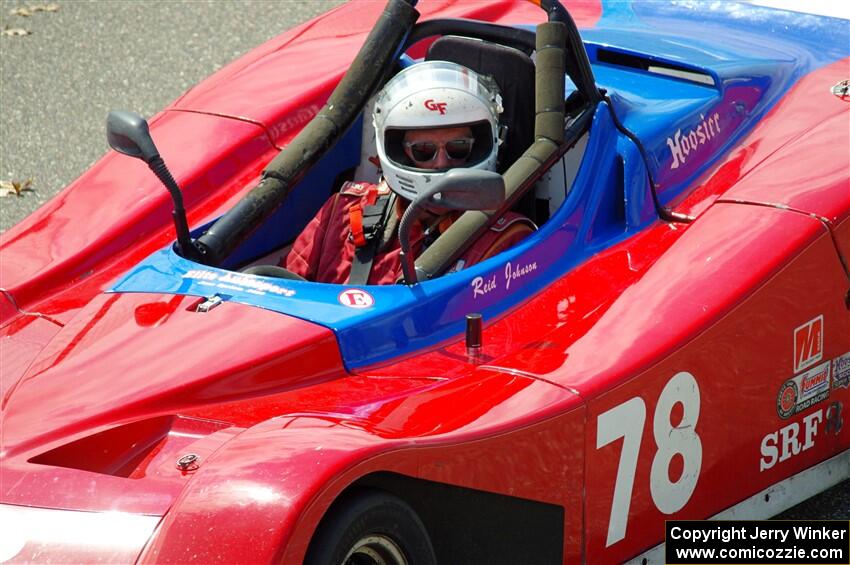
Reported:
(370, 527)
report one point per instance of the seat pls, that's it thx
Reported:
(513, 72)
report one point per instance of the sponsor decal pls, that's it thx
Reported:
(841, 371)
(435, 106)
(355, 298)
(238, 281)
(816, 382)
(803, 391)
(295, 120)
(787, 401)
(808, 344)
(681, 145)
(481, 286)
(797, 437)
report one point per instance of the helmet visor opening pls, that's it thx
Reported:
(478, 148)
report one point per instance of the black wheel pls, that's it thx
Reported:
(370, 527)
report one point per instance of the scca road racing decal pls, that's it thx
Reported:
(841, 371)
(803, 391)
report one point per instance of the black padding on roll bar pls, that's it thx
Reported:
(366, 74)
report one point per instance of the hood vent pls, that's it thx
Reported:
(128, 450)
(638, 62)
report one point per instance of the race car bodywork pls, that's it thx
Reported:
(672, 343)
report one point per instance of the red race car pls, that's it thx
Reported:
(672, 342)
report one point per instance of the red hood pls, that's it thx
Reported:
(106, 392)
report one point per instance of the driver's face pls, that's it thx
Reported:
(439, 148)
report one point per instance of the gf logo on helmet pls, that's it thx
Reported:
(435, 106)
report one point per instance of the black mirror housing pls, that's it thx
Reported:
(458, 189)
(128, 133)
(465, 189)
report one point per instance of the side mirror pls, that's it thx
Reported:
(465, 189)
(128, 133)
(458, 189)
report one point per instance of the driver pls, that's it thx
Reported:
(431, 117)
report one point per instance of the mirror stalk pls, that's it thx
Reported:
(185, 245)
(128, 133)
(408, 267)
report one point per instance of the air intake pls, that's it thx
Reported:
(654, 66)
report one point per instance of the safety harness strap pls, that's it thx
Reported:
(367, 239)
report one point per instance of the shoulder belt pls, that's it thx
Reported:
(367, 226)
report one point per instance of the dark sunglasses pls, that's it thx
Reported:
(425, 151)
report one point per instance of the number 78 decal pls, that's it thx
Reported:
(626, 421)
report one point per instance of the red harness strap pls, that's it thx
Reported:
(355, 217)
(355, 222)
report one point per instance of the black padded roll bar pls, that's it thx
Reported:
(578, 67)
(549, 136)
(363, 78)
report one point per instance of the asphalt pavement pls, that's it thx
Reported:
(82, 59)
(88, 57)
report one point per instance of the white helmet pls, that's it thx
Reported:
(434, 94)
